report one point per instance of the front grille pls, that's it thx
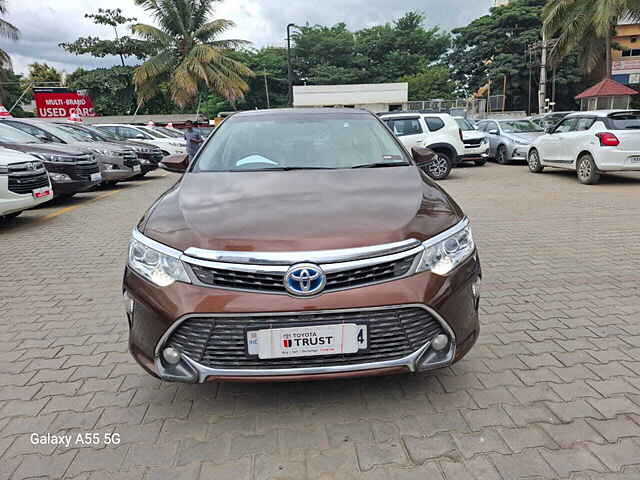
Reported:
(475, 143)
(220, 342)
(84, 169)
(26, 177)
(274, 282)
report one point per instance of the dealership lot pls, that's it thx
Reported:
(551, 390)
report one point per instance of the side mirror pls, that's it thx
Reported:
(175, 163)
(422, 156)
(494, 132)
(549, 130)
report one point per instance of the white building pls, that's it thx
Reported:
(376, 97)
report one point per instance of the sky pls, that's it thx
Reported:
(46, 23)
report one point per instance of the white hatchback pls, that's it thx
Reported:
(590, 143)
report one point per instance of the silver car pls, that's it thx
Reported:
(116, 163)
(509, 140)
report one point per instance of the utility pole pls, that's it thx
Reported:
(542, 95)
(266, 87)
(289, 71)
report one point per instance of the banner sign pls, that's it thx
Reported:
(62, 103)
(625, 66)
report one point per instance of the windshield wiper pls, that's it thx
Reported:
(382, 165)
(278, 169)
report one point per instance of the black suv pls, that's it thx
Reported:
(72, 170)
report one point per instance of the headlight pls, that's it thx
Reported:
(108, 166)
(101, 151)
(442, 255)
(47, 157)
(60, 177)
(483, 141)
(4, 170)
(160, 268)
(520, 142)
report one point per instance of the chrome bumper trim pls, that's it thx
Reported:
(412, 362)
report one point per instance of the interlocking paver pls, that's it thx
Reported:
(552, 389)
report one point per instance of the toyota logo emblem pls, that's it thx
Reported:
(304, 279)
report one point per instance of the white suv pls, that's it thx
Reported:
(24, 183)
(438, 131)
(590, 143)
(169, 146)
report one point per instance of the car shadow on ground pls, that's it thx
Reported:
(605, 178)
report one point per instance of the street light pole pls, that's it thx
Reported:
(289, 71)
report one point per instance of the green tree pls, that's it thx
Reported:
(433, 82)
(586, 26)
(494, 47)
(190, 57)
(11, 92)
(405, 47)
(122, 46)
(8, 31)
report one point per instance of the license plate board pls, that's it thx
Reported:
(635, 159)
(96, 177)
(307, 340)
(137, 168)
(41, 192)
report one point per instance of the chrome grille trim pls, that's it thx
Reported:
(270, 278)
(289, 258)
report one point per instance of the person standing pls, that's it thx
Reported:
(193, 138)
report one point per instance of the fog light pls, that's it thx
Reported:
(440, 342)
(171, 355)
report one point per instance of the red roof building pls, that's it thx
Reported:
(605, 95)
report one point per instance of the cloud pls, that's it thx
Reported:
(46, 23)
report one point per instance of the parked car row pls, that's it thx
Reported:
(40, 160)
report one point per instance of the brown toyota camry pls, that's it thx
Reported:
(301, 244)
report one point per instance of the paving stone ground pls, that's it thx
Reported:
(551, 390)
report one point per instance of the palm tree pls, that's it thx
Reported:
(7, 31)
(586, 27)
(189, 54)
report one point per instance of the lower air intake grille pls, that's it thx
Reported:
(220, 342)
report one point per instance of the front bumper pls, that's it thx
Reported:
(117, 175)
(472, 154)
(72, 186)
(519, 152)
(12, 202)
(157, 311)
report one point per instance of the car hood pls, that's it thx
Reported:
(47, 148)
(473, 135)
(528, 137)
(8, 157)
(299, 210)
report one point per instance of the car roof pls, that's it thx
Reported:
(406, 113)
(294, 111)
(601, 113)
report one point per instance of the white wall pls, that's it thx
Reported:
(372, 96)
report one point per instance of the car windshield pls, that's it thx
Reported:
(520, 126)
(152, 133)
(13, 135)
(107, 134)
(80, 133)
(62, 133)
(465, 125)
(168, 132)
(625, 121)
(300, 141)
